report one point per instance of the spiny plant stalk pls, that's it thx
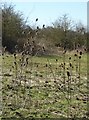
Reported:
(56, 69)
(25, 79)
(16, 72)
(46, 77)
(64, 67)
(30, 78)
(79, 69)
(69, 83)
(69, 74)
(16, 78)
(76, 60)
(79, 73)
(75, 81)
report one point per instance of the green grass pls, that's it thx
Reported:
(41, 89)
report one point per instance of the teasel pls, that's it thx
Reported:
(27, 61)
(69, 91)
(70, 67)
(46, 72)
(81, 53)
(15, 55)
(36, 19)
(56, 71)
(79, 76)
(64, 55)
(43, 26)
(76, 62)
(15, 63)
(60, 69)
(37, 28)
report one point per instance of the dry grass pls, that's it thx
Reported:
(44, 87)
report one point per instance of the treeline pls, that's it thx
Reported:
(18, 35)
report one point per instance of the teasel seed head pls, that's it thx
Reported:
(80, 52)
(79, 57)
(75, 54)
(70, 65)
(36, 19)
(56, 60)
(68, 73)
(69, 58)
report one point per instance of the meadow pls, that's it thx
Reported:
(44, 86)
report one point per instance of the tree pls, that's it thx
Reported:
(63, 23)
(71, 35)
(12, 27)
(65, 26)
(81, 37)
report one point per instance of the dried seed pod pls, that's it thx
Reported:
(64, 64)
(80, 52)
(46, 65)
(43, 47)
(85, 49)
(15, 63)
(79, 57)
(33, 41)
(70, 65)
(22, 53)
(43, 25)
(20, 59)
(37, 28)
(68, 73)
(55, 81)
(37, 66)
(26, 59)
(46, 81)
(75, 54)
(77, 51)
(56, 60)
(64, 47)
(14, 54)
(64, 52)
(69, 58)
(36, 19)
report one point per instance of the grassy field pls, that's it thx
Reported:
(44, 87)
